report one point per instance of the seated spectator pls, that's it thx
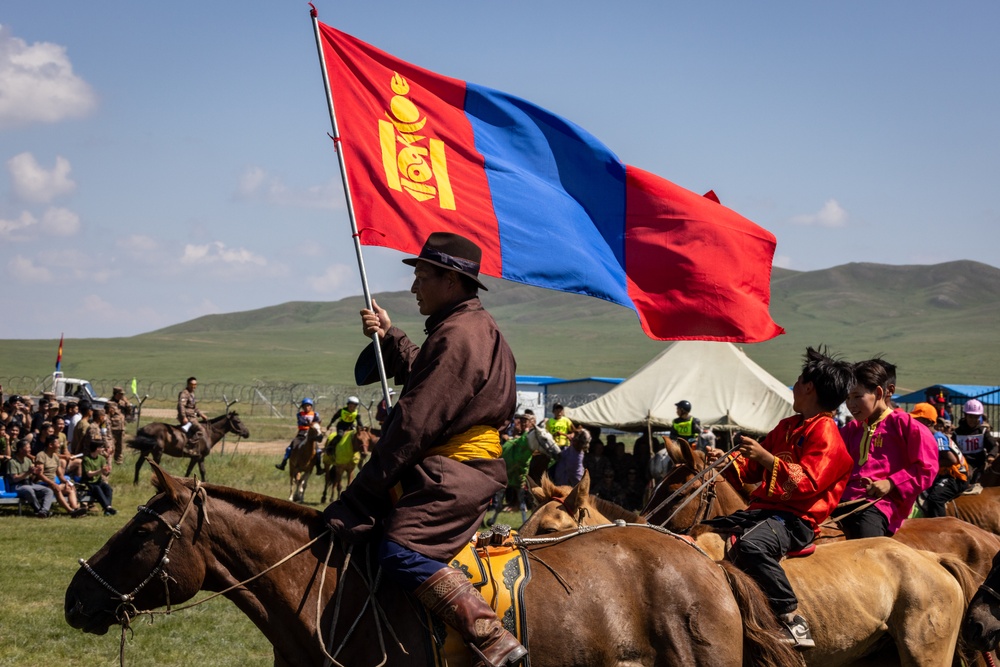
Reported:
(53, 475)
(596, 462)
(26, 474)
(606, 488)
(96, 466)
(633, 491)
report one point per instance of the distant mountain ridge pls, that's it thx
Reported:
(934, 321)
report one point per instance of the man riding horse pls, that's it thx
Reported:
(433, 472)
(189, 415)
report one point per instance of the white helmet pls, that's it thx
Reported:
(973, 407)
(353, 399)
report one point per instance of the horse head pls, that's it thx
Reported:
(154, 560)
(981, 626)
(562, 508)
(235, 425)
(540, 440)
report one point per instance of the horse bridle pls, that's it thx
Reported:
(126, 608)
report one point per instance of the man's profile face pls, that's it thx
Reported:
(192, 385)
(433, 289)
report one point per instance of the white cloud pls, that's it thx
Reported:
(38, 84)
(782, 261)
(831, 215)
(332, 280)
(24, 270)
(216, 252)
(137, 244)
(31, 182)
(60, 222)
(13, 230)
(256, 185)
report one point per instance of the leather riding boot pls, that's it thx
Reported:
(450, 597)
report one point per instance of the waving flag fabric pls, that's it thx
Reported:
(59, 354)
(549, 204)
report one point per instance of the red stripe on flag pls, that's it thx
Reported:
(409, 150)
(696, 269)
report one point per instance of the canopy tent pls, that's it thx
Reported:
(954, 393)
(724, 386)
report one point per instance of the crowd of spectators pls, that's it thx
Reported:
(60, 453)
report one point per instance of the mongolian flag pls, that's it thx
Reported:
(59, 354)
(549, 204)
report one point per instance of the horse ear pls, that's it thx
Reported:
(164, 483)
(688, 453)
(673, 450)
(545, 491)
(580, 493)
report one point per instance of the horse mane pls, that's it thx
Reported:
(250, 501)
(614, 512)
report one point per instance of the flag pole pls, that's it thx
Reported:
(350, 203)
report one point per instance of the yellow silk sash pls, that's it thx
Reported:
(479, 442)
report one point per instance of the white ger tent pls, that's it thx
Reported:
(724, 386)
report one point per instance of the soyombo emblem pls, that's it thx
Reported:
(413, 163)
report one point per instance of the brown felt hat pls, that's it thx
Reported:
(452, 252)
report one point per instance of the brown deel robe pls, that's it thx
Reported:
(462, 376)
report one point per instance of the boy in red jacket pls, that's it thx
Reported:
(802, 466)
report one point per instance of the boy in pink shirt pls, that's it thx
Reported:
(895, 457)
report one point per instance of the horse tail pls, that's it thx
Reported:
(762, 636)
(966, 578)
(143, 442)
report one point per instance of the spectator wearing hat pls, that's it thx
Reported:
(684, 425)
(119, 410)
(559, 426)
(953, 472)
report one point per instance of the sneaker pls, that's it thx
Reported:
(111, 511)
(78, 512)
(797, 630)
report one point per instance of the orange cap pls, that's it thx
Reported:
(925, 411)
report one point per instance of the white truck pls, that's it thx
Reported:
(73, 390)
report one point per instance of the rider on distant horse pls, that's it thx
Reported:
(188, 414)
(307, 415)
(348, 418)
(436, 466)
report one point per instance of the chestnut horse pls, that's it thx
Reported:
(607, 598)
(982, 509)
(856, 594)
(158, 438)
(301, 461)
(337, 464)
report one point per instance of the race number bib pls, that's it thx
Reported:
(970, 444)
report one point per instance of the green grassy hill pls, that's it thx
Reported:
(935, 322)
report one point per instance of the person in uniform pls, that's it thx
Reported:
(118, 410)
(188, 415)
(437, 465)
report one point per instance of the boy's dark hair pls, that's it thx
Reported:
(832, 378)
(875, 372)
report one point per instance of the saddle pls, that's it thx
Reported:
(499, 569)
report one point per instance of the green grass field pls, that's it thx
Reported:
(40, 558)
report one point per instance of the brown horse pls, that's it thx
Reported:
(982, 509)
(337, 465)
(301, 461)
(157, 439)
(563, 508)
(981, 626)
(856, 594)
(608, 598)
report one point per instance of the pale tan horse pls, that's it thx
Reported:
(858, 595)
(301, 461)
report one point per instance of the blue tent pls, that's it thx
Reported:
(953, 393)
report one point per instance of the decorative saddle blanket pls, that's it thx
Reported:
(500, 572)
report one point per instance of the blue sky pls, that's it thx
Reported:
(162, 161)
